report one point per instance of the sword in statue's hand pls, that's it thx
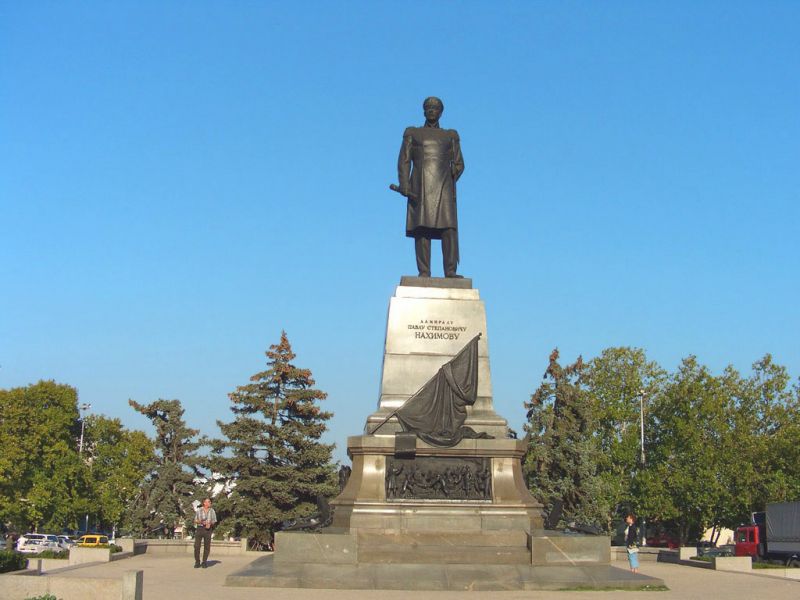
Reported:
(396, 188)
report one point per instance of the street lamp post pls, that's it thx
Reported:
(641, 422)
(643, 530)
(83, 408)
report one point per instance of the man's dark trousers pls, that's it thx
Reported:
(202, 535)
(422, 246)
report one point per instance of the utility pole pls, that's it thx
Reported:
(643, 528)
(83, 408)
(641, 422)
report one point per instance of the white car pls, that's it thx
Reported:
(64, 543)
(33, 543)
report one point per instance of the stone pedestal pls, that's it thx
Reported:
(417, 516)
(428, 324)
(364, 503)
(430, 320)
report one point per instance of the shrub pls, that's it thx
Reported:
(52, 554)
(115, 548)
(45, 597)
(11, 561)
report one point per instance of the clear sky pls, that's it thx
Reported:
(179, 181)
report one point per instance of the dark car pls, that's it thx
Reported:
(663, 540)
(721, 551)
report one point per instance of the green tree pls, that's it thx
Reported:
(562, 459)
(271, 450)
(762, 448)
(720, 447)
(165, 497)
(42, 479)
(619, 382)
(687, 481)
(118, 460)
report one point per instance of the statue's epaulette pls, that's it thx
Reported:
(454, 133)
(408, 130)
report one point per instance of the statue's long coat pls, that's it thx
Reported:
(429, 165)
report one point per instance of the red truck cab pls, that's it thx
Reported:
(747, 539)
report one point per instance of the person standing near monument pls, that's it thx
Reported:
(428, 167)
(632, 542)
(204, 519)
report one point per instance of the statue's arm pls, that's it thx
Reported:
(458, 159)
(404, 162)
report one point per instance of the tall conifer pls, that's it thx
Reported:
(561, 463)
(271, 455)
(166, 495)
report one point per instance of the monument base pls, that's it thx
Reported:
(414, 516)
(486, 536)
(476, 485)
(267, 572)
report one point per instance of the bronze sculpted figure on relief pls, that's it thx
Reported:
(428, 167)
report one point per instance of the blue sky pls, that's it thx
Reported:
(179, 181)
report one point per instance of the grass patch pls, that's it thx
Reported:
(707, 559)
(591, 588)
(114, 547)
(60, 554)
(767, 565)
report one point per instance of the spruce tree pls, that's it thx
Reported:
(165, 497)
(271, 456)
(561, 463)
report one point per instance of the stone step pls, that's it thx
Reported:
(415, 554)
(444, 539)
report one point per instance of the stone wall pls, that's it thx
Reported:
(218, 547)
(22, 585)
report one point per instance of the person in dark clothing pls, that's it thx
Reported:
(205, 518)
(632, 542)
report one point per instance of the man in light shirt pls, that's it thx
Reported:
(204, 519)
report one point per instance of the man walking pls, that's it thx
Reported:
(204, 518)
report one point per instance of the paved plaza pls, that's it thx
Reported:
(168, 577)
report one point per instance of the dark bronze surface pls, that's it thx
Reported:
(438, 478)
(437, 412)
(428, 167)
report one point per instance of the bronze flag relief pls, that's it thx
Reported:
(436, 413)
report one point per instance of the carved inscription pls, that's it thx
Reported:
(436, 329)
(438, 478)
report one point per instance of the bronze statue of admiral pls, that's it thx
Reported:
(428, 168)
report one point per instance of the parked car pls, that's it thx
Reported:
(38, 542)
(92, 541)
(721, 551)
(33, 543)
(65, 543)
(44, 540)
(31, 547)
(663, 539)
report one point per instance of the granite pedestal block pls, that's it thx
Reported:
(552, 548)
(363, 504)
(430, 320)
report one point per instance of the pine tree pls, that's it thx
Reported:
(166, 495)
(271, 452)
(561, 463)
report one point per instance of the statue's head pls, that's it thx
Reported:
(433, 108)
